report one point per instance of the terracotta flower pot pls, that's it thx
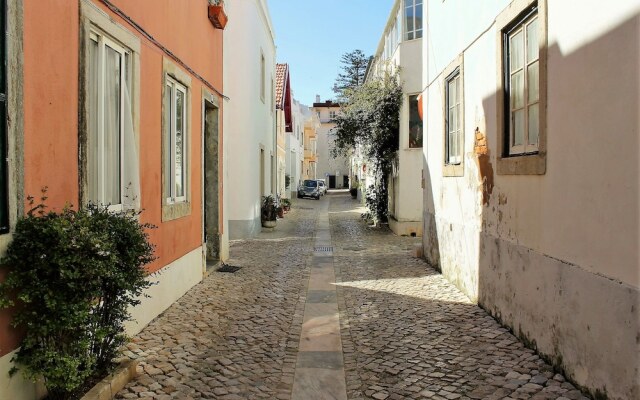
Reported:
(217, 16)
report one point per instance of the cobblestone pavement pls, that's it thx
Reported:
(405, 332)
(408, 333)
(233, 336)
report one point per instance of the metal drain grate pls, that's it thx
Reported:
(323, 248)
(228, 268)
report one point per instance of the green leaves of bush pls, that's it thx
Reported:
(370, 119)
(73, 276)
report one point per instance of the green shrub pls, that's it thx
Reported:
(268, 208)
(73, 276)
(287, 181)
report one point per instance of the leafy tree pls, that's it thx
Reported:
(369, 118)
(354, 66)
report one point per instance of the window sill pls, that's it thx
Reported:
(453, 170)
(175, 211)
(532, 164)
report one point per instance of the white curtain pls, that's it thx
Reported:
(131, 171)
(112, 133)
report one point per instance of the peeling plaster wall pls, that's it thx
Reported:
(554, 257)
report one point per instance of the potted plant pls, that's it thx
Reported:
(287, 181)
(354, 190)
(286, 204)
(268, 211)
(217, 16)
(280, 211)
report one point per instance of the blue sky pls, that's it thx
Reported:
(311, 36)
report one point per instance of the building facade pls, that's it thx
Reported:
(400, 49)
(284, 124)
(250, 118)
(531, 175)
(295, 148)
(335, 171)
(311, 127)
(115, 102)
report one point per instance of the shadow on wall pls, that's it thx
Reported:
(430, 241)
(581, 315)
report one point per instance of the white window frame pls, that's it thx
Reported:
(508, 163)
(521, 27)
(408, 116)
(412, 34)
(104, 40)
(175, 87)
(453, 166)
(450, 158)
(332, 114)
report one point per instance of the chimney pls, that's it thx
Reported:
(317, 98)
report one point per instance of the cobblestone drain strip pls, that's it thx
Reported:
(320, 372)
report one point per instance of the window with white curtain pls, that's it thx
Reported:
(109, 119)
(176, 151)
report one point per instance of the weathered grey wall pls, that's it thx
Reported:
(553, 256)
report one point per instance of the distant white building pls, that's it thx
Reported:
(295, 147)
(335, 171)
(249, 115)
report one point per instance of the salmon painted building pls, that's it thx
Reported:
(117, 102)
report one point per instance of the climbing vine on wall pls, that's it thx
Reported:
(369, 119)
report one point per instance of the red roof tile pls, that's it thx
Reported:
(282, 76)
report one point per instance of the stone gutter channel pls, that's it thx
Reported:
(320, 371)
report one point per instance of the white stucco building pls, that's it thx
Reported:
(531, 174)
(335, 171)
(295, 147)
(249, 116)
(400, 47)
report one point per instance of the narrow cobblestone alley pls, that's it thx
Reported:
(325, 307)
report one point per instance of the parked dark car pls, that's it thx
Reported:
(309, 188)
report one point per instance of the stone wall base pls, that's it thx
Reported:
(585, 324)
